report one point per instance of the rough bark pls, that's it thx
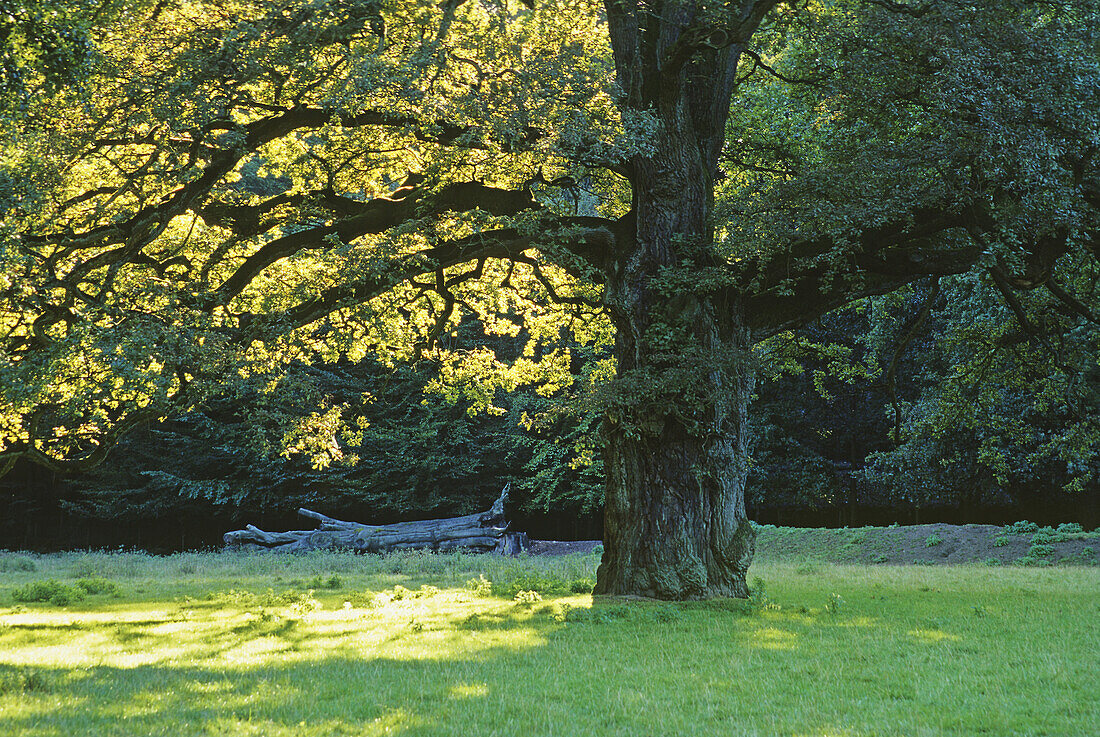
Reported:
(675, 525)
(676, 462)
(482, 532)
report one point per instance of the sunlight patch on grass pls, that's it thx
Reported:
(773, 638)
(933, 636)
(469, 690)
(912, 651)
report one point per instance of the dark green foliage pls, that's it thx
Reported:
(397, 451)
(98, 586)
(581, 585)
(51, 591)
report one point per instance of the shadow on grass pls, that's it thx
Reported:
(458, 667)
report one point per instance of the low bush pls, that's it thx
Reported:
(480, 586)
(51, 591)
(95, 586)
(582, 585)
(1023, 527)
(1039, 550)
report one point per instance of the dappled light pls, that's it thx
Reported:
(845, 651)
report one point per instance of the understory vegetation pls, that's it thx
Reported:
(423, 644)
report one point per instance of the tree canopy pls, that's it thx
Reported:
(240, 184)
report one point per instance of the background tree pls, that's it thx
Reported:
(261, 182)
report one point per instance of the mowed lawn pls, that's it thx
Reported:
(420, 644)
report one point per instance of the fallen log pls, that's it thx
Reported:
(481, 532)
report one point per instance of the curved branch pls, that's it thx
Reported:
(505, 243)
(804, 282)
(377, 216)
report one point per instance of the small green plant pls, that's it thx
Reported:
(880, 558)
(932, 540)
(1038, 550)
(399, 593)
(598, 549)
(977, 610)
(606, 615)
(1030, 561)
(1000, 541)
(992, 561)
(472, 621)
(666, 614)
(362, 600)
(1023, 527)
(480, 586)
(758, 593)
(526, 598)
(1070, 528)
(416, 625)
(834, 604)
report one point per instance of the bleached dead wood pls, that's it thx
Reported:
(482, 532)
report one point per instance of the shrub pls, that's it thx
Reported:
(1023, 527)
(1039, 550)
(598, 550)
(360, 600)
(97, 586)
(526, 598)
(932, 540)
(1000, 541)
(758, 593)
(480, 586)
(582, 585)
(1070, 528)
(52, 591)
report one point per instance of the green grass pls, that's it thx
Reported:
(222, 644)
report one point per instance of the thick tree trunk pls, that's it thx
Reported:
(676, 431)
(676, 438)
(482, 532)
(675, 525)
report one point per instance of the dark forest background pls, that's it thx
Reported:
(922, 406)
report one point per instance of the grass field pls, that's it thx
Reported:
(332, 644)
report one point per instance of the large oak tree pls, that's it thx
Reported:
(243, 182)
